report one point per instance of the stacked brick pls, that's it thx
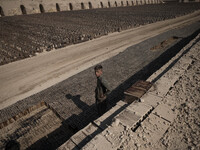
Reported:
(25, 36)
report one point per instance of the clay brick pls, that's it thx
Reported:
(173, 74)
(113, 134)
(99, 142)
(153, 128)
(165, 112)
(90, 130)
(121, 103)
(106, 119)
(161, 87)
(80, 139)
(69, 145)
(183, 63)
(140, 109)
(128, 118)
(150, 99)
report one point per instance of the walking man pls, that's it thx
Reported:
(102, 90)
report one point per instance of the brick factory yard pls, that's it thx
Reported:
(29, 76)
(25, 36)
(64, 79)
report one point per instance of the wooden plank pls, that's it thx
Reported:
(137, 90)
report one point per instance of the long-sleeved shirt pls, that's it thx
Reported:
(102, 89)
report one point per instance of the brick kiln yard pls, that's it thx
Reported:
(24, 36)
(71, 102)
(55, 66)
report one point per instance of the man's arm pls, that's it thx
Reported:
(105, 84)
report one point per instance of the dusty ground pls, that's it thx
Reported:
(27, 77)
(184, 134)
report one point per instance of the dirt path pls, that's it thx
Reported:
(27, 77)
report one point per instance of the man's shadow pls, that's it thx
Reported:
(77, 101)
(88, 114)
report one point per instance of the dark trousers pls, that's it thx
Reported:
(101, 107)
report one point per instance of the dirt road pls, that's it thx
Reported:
(27, 77)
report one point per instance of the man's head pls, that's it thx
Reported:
(98, 70)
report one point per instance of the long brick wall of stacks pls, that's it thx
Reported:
(22, 7)
(25, 36)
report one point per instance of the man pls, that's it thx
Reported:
(101, 91)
